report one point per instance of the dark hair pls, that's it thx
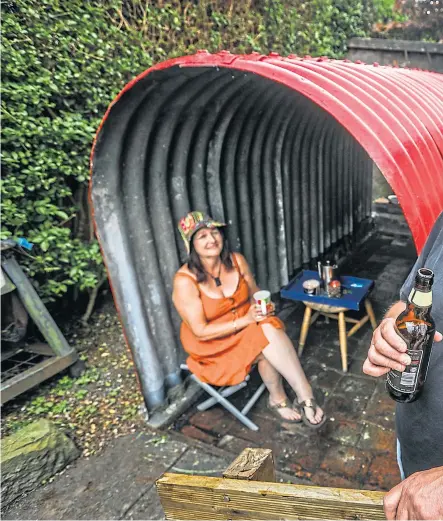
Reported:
(195, 265)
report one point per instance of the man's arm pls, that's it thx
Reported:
(418, 497)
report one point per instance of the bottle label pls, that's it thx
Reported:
(420, 298)
(406, 381)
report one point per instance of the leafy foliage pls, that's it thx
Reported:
(413, 20)
(63, 62)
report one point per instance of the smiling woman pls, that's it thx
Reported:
(224, 332)
(207, 240)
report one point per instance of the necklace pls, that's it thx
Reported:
(217, 280)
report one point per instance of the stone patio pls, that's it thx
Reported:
(356, 447)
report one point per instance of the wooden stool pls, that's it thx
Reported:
(337, 313)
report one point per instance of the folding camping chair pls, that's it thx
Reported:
(220, 397)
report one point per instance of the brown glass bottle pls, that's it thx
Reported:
(417, 328)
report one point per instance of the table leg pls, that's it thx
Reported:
(371, 314)
(304, 329)
(343, 341)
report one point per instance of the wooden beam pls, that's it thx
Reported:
(252, 465)
(200, 497)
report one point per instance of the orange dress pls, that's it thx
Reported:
(227, 360)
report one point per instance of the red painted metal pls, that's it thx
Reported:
(395, 114)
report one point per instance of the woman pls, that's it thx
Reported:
(224, 334)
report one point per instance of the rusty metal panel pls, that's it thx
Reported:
(280, 148)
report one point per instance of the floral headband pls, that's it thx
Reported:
(192, 222)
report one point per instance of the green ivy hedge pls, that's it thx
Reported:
(63, 62)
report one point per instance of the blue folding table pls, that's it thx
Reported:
(354, 291)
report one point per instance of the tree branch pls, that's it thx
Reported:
(91, 303)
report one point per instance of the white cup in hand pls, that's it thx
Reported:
(263, 299)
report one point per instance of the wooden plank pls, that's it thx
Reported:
(36, 374)
(200, 497)
(252, 465)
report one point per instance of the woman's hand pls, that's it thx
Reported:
(271, 311)
(254, 314)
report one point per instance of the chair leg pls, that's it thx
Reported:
(304, 329)
(343, 341)
(371, 314)
(227, 405)
(254, 398)
(357, 326)
(225, 392)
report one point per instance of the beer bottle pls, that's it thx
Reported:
(416, 326)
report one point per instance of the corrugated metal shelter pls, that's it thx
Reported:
(280, 148)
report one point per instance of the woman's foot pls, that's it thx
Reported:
(313, 415)
(284, 409)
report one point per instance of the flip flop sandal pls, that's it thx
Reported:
(283, 405)
(311, 404)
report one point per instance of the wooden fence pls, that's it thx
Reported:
(248, 490)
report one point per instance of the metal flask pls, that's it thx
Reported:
(327, 272)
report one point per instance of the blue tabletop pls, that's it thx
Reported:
(354, 290)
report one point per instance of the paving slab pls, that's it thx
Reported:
(147, 507)
(200, 462)
(345, 432)
(346, 462)
(235, 445)
(380, 410)
(342, 407)
(321, 376)
(383, 473)
(302, 453)
(355, 365)
(374, 437)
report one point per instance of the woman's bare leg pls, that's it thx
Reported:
(272, 379)
(282, 356)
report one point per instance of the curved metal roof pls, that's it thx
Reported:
(396, 115)
(281, 148)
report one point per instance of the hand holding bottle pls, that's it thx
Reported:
(402, 346)
(388, 350)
